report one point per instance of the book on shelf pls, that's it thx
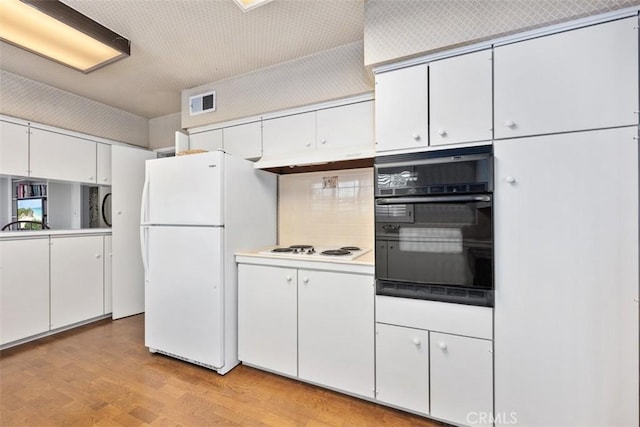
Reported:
(31, 190)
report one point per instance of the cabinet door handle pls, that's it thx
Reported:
(308, 144)
(98, 255)
(324, 141)
(417, 342)
(510, 124)
(289, 278)
(415, 136)
(90, 178)
(104, 178)
(510, 180)
(442, 132)
(305, 279)
(442, 346)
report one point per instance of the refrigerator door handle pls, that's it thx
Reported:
(144, 202)
(144, 252)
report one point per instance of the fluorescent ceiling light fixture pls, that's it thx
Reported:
(247, 5)
(54, 30)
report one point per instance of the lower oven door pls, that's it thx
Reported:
(438, 248)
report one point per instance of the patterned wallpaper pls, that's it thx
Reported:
(331, 74)
(34, 101)
(394, 29)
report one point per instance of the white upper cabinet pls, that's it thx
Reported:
(103, 164)
(576, 80)
(348, 129)
(401, 108)
(14, 149)
(210, 140)
(62, 157)
(243, 140)
(289, 136)
(460, 92)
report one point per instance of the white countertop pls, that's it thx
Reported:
(13, 235)
(363, 264)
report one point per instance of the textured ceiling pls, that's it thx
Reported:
(180, 44)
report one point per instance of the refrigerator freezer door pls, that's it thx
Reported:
(184, 293)
(184, 190)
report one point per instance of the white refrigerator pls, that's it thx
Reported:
(197, 211)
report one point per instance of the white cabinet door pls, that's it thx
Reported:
(336, 330)
(401, 108)
(244, 140)
(210, 140)
(14, 149)
(402, 367)
(566, 251)
(289, 136)
(267, 318)
(108, 255)
(62, 157)
(103, 172)
(24, 288)
(345, 128)
(460, 99)
(581, 79)
(461, 378)
(127, 167)
(77, 286)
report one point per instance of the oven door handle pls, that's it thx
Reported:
(436, 199)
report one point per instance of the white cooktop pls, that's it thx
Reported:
(316, 253)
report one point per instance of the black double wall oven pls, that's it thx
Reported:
(434, 225)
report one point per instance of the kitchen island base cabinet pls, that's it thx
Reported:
(336, 330)
(24, 288)
(267, 318)
(77, 287)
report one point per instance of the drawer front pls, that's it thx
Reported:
(436, 316)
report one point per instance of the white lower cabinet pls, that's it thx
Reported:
(267, 318)
(461, 378)
(402, 367)
(435, 358)
(336, 330)
(77, 287)
(108, 288)
(24, 288)
(314, 324)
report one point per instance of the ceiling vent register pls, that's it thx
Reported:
(202, 103)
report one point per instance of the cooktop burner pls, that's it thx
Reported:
(350, 248)
(300, 246)
(282, 250)
(338, 252)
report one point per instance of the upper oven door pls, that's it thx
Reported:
(435, 240)
(435, 173)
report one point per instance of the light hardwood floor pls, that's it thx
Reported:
(103, 375)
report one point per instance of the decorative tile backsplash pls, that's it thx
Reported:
(311, 210)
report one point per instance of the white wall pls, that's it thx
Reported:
(402, 28)
(34, 101)
(332, 74)
(162, 130)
